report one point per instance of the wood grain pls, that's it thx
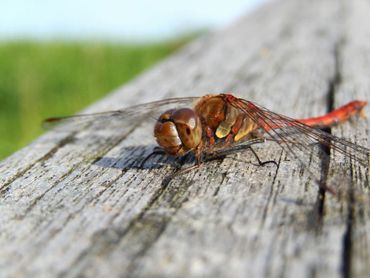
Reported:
(81, 203)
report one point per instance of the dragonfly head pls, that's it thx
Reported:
(178, 131)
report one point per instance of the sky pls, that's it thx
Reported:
(115, 19)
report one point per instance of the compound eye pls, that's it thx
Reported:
(188, 127)
(167, 137)
(178, 131)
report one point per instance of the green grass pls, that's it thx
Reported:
(42, 79)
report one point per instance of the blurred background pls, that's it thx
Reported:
(56, 57)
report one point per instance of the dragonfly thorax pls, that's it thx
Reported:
(178, 131)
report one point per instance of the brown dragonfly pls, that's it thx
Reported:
(219, 124)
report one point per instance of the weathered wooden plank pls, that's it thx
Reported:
(65, 211)
(353, 82)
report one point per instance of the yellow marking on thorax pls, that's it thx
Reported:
(224, 127)
(247, 127)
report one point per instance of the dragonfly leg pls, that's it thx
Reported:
(198, 164)
(219, 154)
(210, 134)
(262, 163)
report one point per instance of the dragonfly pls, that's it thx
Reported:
(219, 124)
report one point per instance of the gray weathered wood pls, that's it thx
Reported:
(64, 211)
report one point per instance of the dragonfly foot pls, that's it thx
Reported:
(262, 163)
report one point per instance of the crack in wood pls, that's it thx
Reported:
(347, 237)
(333, 86)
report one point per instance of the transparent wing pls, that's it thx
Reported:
(311, 146)
(112, 119)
